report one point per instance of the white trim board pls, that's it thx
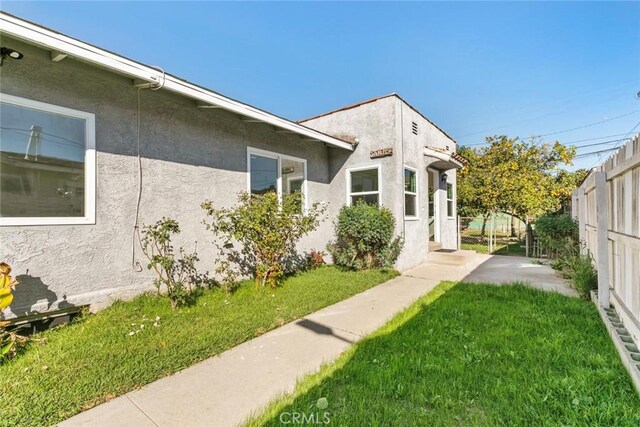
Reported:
(54, 41)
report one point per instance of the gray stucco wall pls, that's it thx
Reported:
(429, 135)
(374, 125)
(188, 155)
(387, 122)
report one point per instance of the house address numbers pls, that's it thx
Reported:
(383, 152)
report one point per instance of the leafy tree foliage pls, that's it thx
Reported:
(525, 179)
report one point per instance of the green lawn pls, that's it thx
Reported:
(514, 248)
(475, 355)
(95, 359)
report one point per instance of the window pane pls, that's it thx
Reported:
(366, 180)
(409, 180)
(371, 199)
(41, 163)
(449, 207)
(449, 191)
(409, 205)
(264, 174)
(293, 178)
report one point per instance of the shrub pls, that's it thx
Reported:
(178, 275)
(583, 275)
(266, 230)
(558, 234)
(315, 259)
(365, 237)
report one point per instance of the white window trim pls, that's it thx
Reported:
(453, 199)
(294, 178)
(417, 215)
(364, 193)
(89, 165)
(434, 175)
(279, 157)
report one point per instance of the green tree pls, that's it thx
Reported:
(524, 179)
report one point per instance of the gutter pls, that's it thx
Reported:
(61, 44)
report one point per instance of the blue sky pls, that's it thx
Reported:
(475, 69)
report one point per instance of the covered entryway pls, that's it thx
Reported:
(441, 196)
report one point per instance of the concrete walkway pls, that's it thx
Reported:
(507, 269)
(226, 389)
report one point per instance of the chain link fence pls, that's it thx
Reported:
(499, 233)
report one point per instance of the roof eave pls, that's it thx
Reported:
(49, 39)
(443, 160)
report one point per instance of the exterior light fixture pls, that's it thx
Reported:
(8, 52)
(444, 177)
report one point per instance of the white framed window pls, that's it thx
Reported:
(279, 173)
(450, 200)
(47, 164)
(363, 183)
(410, 193)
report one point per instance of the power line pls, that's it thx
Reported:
(594, 139)
(586, 126)
(594, 152)
(632, 129)
(566, 142)
(70, 141)
(51, 141)
(601, 143)
(523, 111)
(617, 145)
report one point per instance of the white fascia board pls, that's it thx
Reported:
(52, 40)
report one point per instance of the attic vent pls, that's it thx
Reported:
(414, 128)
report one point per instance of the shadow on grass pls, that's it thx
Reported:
(513, 249)
(476, 355)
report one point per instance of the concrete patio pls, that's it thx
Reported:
(226, 389)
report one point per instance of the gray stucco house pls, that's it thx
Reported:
(93, 144)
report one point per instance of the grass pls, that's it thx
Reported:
(95, 359)
(514, 248)
(475, 355)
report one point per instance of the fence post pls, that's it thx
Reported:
(582, 219)
(491, 234)
(526, 242)
(459, 234)
(602, 212)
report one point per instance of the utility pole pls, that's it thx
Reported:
(34, 141)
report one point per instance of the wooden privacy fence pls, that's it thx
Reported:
(607, 206)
